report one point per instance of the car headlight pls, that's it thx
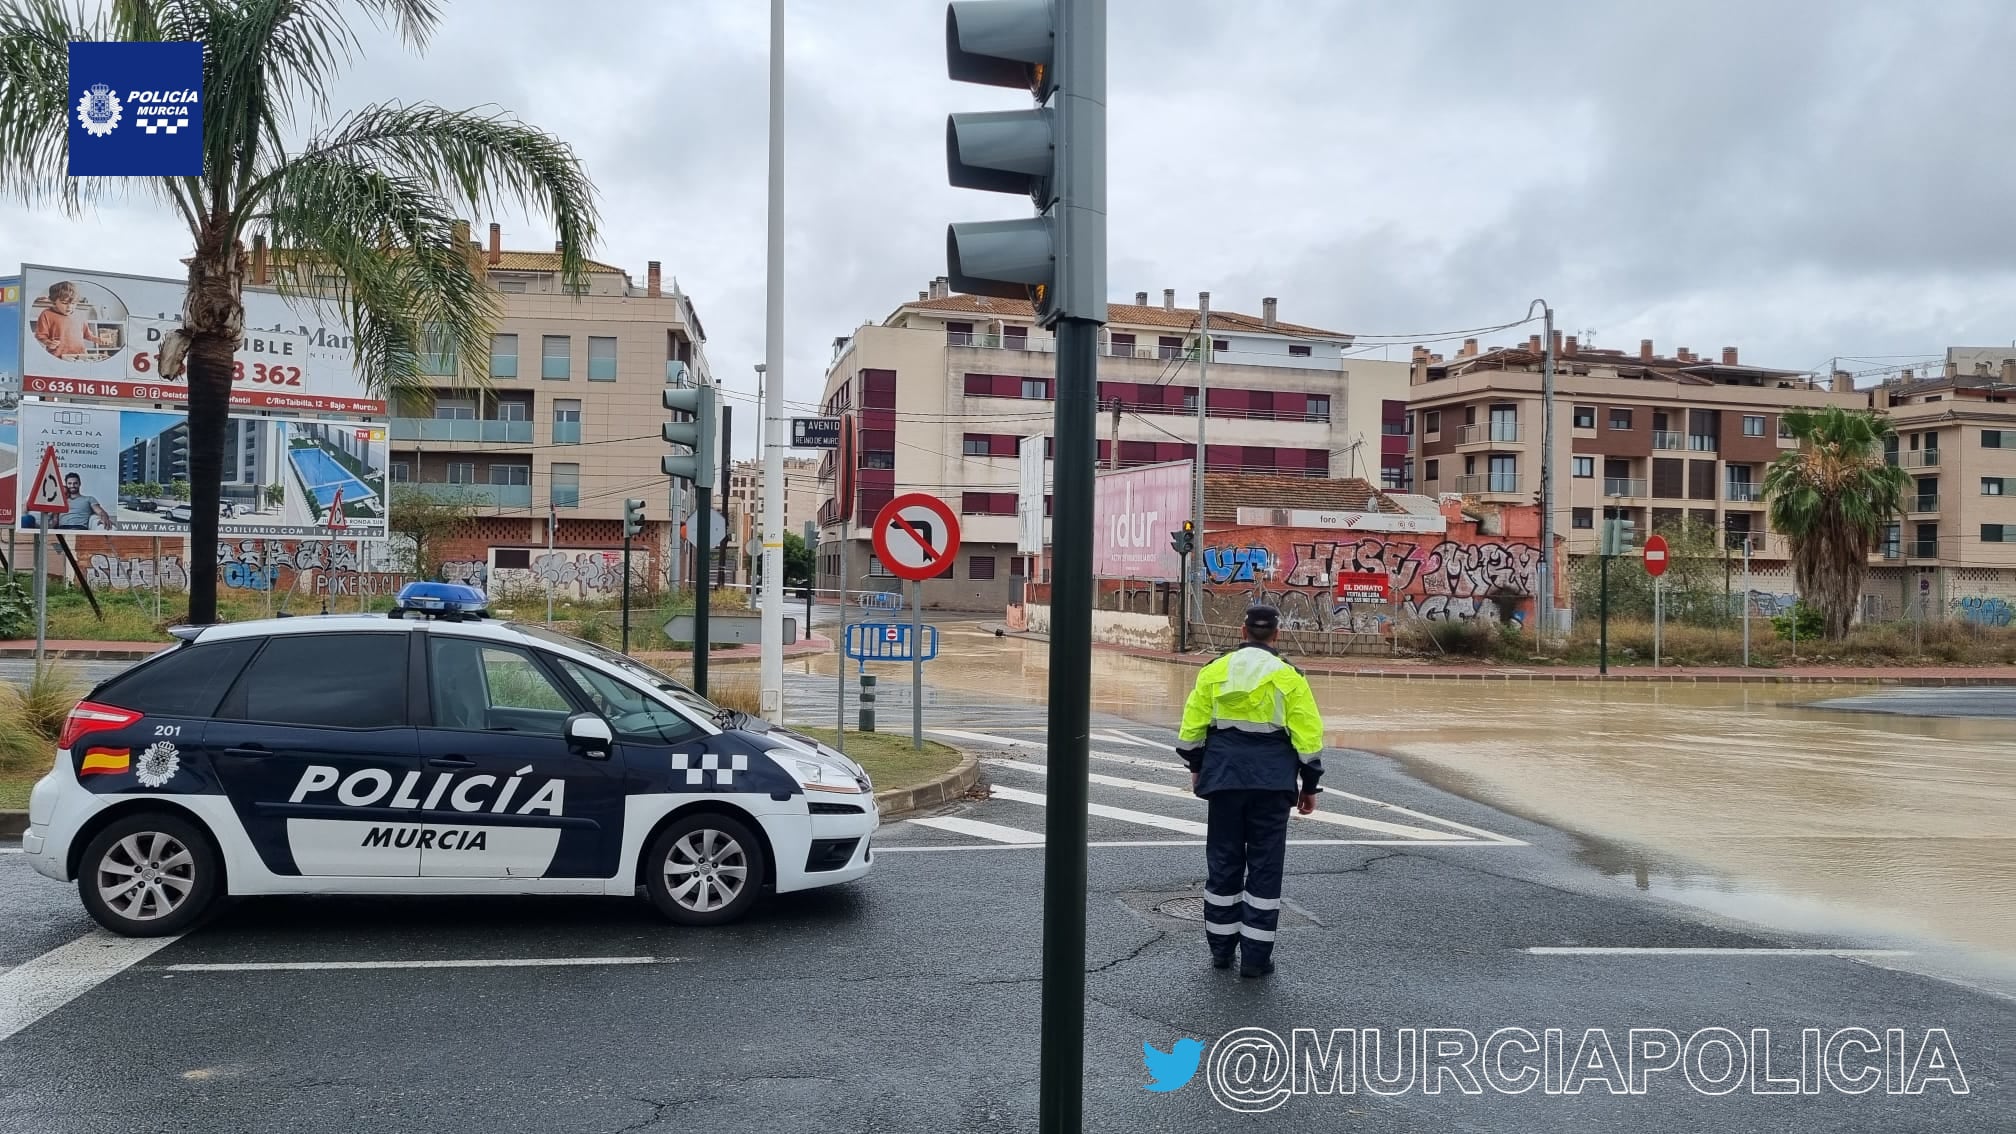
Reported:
(819, 775)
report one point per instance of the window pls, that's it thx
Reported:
(1504, 473)
(567, 421)
(977, 445)
(1753, 425)
(184, 682)
(401, 472)
(1996, 485)
(326, 681)
(565, 491)
(634, 716)
(511, 287)
(503, 356)
(1998, 439)
(1505, 423)
(489, 688)
(1319, 407)
(1432, 470)
(510, 474)
(1998, 533)
(1784, 429)
(1585, 466)
(462, 472)
(875, 567)
(514, 411)
(1036, 389)
(511, 558)
(980, 567)
(454, 409)
(556, 357)
(884, 459)
(1620, 418)
(437, 352)
(1585, 417)
(601, 358)
(1431, 422)
(1584, 519)
(1015, 338)
(1298, 350)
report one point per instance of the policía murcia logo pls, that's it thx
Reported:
(98, 110)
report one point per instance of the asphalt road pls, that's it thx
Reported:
(910, 1001)
(1988, 701)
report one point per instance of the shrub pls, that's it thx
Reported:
(739, 693)
(1466, 638)
(1802, 623)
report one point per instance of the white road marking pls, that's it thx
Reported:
(974, 827)
(1143, 818)
(882, 850)
(985, 738)
(31, 991)
(469, 963)
(1374, 825)
(1703, 951)
(1124, 738)
(10, 850)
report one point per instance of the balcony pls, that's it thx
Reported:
(1615, 487)
(462, 429)
(1742, 492)
(1923, 502)
(1918, 458)
(1488, 484)
(1701, 443)
(1487, 433)
(1662, 439)
(1921, 549)
(1001, 342)
(477, 495)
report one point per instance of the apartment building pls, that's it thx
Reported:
(945, 389)
(743, 503)
(568, 426)
(1953, 552)
(1656, 438)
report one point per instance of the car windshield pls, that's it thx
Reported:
(635, 669)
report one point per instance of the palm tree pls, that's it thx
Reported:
(1833, 496)
(365, 212)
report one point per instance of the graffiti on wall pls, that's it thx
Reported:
(1766, 604)
(1433, 579)
(584, 574)
(317, 567)
(1984, 610)
(1236, 564)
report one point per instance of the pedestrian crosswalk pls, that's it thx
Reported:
(1140, 797)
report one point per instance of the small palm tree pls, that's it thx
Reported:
(1833, 497)
(365, 217)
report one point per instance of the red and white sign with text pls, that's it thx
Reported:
(98, 335)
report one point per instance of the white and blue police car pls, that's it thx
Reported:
(434, 750)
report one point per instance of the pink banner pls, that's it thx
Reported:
(1133, 514)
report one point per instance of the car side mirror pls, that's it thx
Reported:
(590, 735)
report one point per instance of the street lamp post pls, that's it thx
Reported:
(771, 679)
(1545, 578)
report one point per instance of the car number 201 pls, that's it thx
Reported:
(167, 730)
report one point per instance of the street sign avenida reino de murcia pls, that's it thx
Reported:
(815, 433)
(136, 110)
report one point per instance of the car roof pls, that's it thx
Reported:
(351, 623)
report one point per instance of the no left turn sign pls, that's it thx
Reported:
(916, 536)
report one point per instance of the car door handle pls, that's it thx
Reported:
(450, 762)
(248, 750)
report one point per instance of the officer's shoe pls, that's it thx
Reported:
(1221, 960)
(1256, 968)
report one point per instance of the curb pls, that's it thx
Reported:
(898, 802)
(12, 823)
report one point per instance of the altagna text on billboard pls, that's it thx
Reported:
(98, 335)
(111, 471)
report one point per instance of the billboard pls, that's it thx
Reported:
(99, 335)
(1029, 496)
(112, 471)
(10, 390)
(1133, 512)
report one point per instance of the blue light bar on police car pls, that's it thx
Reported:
(445, 599)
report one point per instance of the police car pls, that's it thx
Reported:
(430, 751)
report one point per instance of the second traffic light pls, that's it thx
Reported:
(1184, 541)
(698, 433)
(633, 517)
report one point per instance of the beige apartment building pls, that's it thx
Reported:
(1658, 439)
(743, 501)
(945, 389)
(568, 427)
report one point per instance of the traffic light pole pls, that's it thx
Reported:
(1061, 1094)
(1603, 605)
(704, 516)
(626, 590)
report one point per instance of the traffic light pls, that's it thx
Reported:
(1620, 535)
(1055, 153)
(633, 517)
(1184, 541)
(696, 433)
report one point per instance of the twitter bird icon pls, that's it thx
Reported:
(1173, 1068)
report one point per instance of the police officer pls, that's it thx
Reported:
(1250, 734)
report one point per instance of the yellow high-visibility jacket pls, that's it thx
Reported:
(1251, 723)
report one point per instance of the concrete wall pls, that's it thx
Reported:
(1113, 627)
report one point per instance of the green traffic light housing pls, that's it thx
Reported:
(698, 432)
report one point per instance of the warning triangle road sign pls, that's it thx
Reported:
(336, 517)
(46, 493)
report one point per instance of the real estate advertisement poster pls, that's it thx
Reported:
(10, 390)
(99, 335)
(111, 471)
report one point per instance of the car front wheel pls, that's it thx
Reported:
(148, 875)
(704, 869)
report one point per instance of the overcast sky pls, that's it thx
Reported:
(1798, 179)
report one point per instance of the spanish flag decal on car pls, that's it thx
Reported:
(105, 761)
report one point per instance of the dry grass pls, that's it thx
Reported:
(737, 692)
(1883, 644)
(31, 717)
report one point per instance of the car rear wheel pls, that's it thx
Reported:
(148, 875)
(704, 869)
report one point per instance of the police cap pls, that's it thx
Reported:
(1263, 618)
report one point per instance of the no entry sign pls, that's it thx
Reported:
(916, 536)
(1655, 555)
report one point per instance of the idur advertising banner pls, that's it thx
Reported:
(1133, 513)
(117, 471)
(98, 335)
(10, 390)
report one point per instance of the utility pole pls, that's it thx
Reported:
(725, 478)
(1193, 586)
(1113, 446)
(1746, 600)
(771, 680)
(1055, 154)
(1546, 575)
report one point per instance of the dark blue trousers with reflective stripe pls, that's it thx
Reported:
(1245, 844)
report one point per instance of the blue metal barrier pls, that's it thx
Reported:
(887, 642)
(880, 600)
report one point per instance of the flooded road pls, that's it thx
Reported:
(1742, 799)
